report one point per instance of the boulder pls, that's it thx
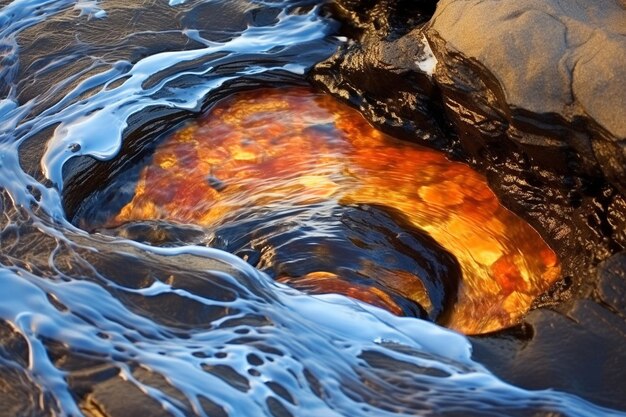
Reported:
(548, 62)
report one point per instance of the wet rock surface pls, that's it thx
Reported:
(531, 93)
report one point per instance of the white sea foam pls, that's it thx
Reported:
(82, 122)
(323, 334)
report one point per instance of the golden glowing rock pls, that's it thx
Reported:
(284, 148)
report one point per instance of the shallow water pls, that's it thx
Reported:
(99, 324)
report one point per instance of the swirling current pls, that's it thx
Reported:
(97, 325)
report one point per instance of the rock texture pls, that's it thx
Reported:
(559, 58)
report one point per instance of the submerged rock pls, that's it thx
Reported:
(319, 199)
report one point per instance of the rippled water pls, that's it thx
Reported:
(94, 324)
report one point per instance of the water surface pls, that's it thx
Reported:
(93, 324)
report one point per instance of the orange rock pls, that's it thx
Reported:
(288, 148)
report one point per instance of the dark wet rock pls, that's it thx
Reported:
(380, 78)
(390, 19)
(119, 397)
(376, 70)
(400, 387)
(159, 233)
(612, 284)
(13, 346)
(20, 394)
